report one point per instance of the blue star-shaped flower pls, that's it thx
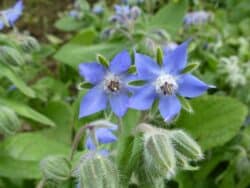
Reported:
(165, 82)
(110, 85)
(101, 135)
(10, 16)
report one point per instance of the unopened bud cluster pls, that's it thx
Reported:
(167, 151)
(96, 170)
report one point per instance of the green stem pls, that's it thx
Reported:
(76, 141)
(41, 183)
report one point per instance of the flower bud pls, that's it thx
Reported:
(97, 171)
(183, 162)
(135, 12)
(56, 168)
(159, 154)
(186, 145)
(29, 44)
(9, 55)
(9, 122)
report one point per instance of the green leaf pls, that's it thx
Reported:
(61, 113)
(215, 120)
(84, 37)
(170, 17)
(15, 79)
(68, 23)
(32, 147)
(12, 168)
(27, 112)
(74, 54)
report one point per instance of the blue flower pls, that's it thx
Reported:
(10, 16)
(109, 85)
(196, 18)
(74, 13)
(100, 135)
(98, 9)
(165, 82)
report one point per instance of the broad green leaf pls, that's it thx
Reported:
(68, 23)
(32, 147)
(15, 79)
(84, 37)
(61, 113)
(27, 112)
(12, 168)
(170, 17)
(215, 120)
(74, 54)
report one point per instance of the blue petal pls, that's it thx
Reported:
(1, 25)
(119, 103)
(190, 86)
(147, 68)
(175, 61)
(94, 101)
(120, 63)
(169, 107)
(90, 144)
(105, 136)
(143, 98)
(14, 13)
(92, 72)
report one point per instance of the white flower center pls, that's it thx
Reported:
(112, 83)
(166, 84)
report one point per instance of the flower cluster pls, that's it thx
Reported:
(125, 15)
(166, 81)
(234, 73)
(9, 16)
(197, 18)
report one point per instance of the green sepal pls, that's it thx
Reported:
(101, 59)
(137, 83)
(185, 104)
(159, 55)
(85, 85)
(132, 69)
(190, 67)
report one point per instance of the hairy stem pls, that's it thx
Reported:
(76, 141)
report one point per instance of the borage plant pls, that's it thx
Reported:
(145, 152)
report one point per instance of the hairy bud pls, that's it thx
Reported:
(56, 168)
(9, 55)
(97, 171)
(9, 122)
(159, 154)
(186, 145)
(29, 44)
